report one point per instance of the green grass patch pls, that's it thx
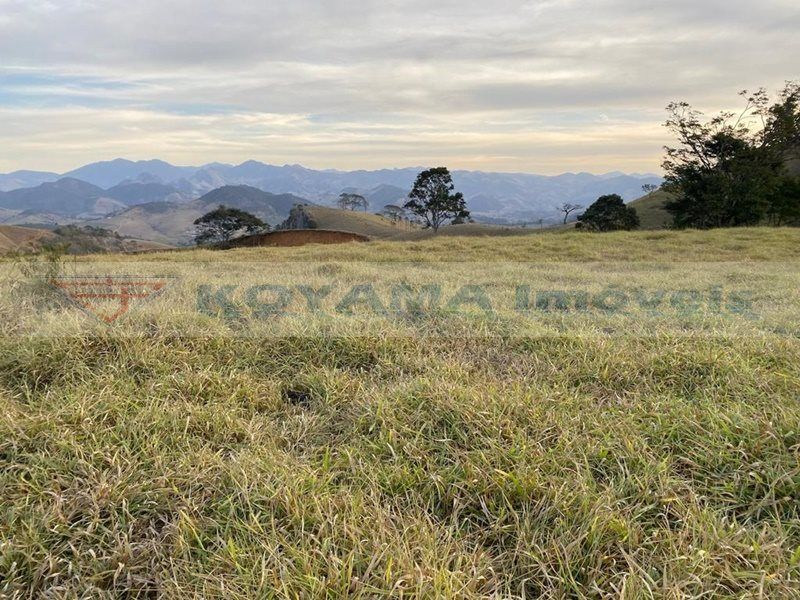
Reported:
(161, 465)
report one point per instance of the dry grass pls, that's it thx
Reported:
(138, 461)
(365, 223)
(14, 238)
(651, 211)
(751, 244)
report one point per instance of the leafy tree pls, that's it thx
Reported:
(731, 170)
(352, 202)
(609, 213)
(394, 213)
(567, 208)
(222, 223)
(784, 203)
(649, 188)
(433, 200)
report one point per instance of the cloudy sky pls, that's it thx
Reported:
(543, 86)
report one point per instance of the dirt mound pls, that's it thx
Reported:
(295, 237)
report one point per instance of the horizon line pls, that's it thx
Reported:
(63, 174)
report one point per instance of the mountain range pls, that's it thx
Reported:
(494, 197)
(173, 222)
(69, 200)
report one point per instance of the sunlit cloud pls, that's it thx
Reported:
(545, 86)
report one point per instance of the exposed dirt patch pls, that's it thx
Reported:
(296, 237)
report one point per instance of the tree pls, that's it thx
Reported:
(568, 208)
(609, 213)
(731, 170)
(394, 213)
(222, 223)
(649, 188)
(432, 198)
(352, 201)
(784, 203)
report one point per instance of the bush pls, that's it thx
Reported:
(609, 213)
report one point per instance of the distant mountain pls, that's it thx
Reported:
(204, 180)
(489, 195)
(24, 179)
(380, 195)
(497, 197)
(503, 195)
(107, 174)
(244, 197)
(528, 197)
(141, 193)
(66, 199)
(173, 223)
(70, 200)
(319, 186)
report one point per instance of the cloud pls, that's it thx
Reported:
(507, 85)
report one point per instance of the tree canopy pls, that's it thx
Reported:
(609, 213)
(352, 201)
(393, 212)
(223, 223)
(433, 199)
(732, 170)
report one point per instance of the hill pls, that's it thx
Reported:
(23, 239)
(67, 199)
(268, 206)
(133, 193)
(364, 223)
(74, 239)
(173, 223)
(70, 200)
(651, 212)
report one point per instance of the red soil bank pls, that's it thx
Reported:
(296, 237)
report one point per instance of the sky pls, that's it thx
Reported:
(539, 86)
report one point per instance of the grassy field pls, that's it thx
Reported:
(172, 455)
(380, 228)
